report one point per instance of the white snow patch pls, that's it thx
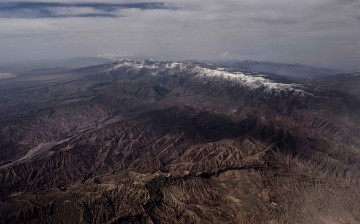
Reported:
(250, 81)
(173, 64)
(138, 64)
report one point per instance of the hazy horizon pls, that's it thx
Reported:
(321, 33)
(38, 63)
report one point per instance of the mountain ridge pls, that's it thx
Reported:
(146, 141)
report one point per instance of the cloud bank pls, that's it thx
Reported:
(315, 32)
(67, 9)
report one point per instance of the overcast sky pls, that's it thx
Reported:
(315, 32)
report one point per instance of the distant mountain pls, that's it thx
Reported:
(67, 63)
(289, 71)
(146, 141)
(348, 83)
(293, 71)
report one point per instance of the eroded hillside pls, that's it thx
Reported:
(165, 142)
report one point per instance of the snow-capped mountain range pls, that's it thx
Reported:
(206, 73)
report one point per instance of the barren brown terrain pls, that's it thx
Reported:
(164, 142)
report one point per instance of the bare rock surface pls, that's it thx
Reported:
(143, 141)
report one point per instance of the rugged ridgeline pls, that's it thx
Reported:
(166, 142)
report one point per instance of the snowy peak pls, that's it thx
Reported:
(249, 80)
(146, 64)
(205, 73)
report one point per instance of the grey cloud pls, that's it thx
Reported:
(271, 21)
(49, 9)
(317, 32)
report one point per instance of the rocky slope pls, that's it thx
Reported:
(143, 141)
